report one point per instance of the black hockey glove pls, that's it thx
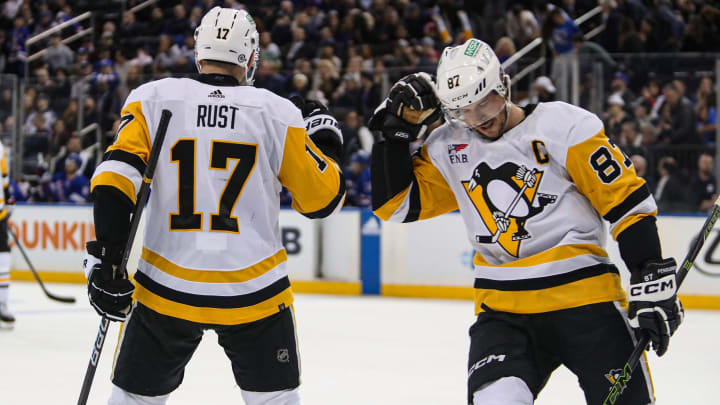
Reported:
(322, 127)
(109, 294)
(654, 306)
(411, 106)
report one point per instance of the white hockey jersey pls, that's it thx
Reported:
(533, 202)
(212, 249)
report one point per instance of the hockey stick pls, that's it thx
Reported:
(68, 300)
(621, 382)
(139, 206)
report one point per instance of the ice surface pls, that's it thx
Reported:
(355, 350)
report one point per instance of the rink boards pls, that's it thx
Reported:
(352, 252)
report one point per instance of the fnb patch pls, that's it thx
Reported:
(454, 155)
(472, 47)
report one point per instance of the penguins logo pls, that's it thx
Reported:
(505, 199)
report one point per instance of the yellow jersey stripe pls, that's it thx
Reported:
(4, 279)
(214, 276)
(114, 180)
(220, 316)
(601, 288)
(133, 137)
(392, 205)
(555, 254)
(629, 220)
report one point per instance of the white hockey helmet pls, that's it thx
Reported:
(228, 35)
(467, 74)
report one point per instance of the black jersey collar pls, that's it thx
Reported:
(216, 79)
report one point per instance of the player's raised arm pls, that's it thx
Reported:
(407, 188)
(310, 167)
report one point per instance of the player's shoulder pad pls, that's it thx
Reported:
(566, 123)
(278, 108)
(445, 134)
(155, 90)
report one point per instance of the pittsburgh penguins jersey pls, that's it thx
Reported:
(212, 249)
(533, 202)
(5, 182)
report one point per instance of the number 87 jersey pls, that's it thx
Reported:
(212, 250)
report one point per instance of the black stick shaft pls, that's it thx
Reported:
(35, 274)
(137, 214)
(618, 388)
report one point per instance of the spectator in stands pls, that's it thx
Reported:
(157, 22)
(42, 108)
(348, 94)
(671, 192)
(300, 85)
(60, 135)
(357, 180)
(619, 86)
(298, 48)
(178, 25)
(616, 116)
(130, 28)
(706, 124)
(640, 164)
(58, 55)
(505, 48)
(702, 185)
(562, 30)
(70, 185)
(106, 80)
(142, 57)
(269, 51)
(186, 51)
(677, 118)
(521, 25)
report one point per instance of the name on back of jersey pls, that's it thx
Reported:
(216, 116)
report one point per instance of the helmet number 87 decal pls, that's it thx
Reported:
(606, 167)
(453, 81)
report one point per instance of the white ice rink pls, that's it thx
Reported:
(355, 350)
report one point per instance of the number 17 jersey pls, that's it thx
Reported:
(212, 249)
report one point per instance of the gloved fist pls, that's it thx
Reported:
(409, 108)
(109, 293)
(654, 306)
(322, 127)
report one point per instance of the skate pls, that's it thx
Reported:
(5, 315)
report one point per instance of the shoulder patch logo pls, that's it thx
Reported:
(454, 155)
(506, 197)
(216, 94)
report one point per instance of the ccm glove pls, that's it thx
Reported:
(654, 306)
(411, 106)
(109, 293)
(322, 127)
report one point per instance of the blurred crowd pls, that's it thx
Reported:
(346, 53)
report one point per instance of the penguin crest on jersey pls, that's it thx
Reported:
(505, 199)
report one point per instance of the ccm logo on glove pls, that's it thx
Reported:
(665, 287)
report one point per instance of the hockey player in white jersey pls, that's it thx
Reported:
(533, 186)
(212, 256)
(5, 200)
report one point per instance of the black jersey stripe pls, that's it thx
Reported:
(414, 207)
(545, 282)
(212, 301)
(126, 157)
(635, 198)
(324, 212)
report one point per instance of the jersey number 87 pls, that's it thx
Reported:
(183, 152)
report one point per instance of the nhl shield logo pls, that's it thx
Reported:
(506, 198)
(283, 356)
